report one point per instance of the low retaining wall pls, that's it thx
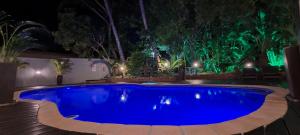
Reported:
(214, 76)
(135, 80)
(144, 79)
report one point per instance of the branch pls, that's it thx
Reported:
(95, 11)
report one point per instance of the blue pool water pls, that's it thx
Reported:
(152, 104)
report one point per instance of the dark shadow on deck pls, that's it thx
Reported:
(21, 119)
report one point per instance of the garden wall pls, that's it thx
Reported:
(212, 76)
(41, 72)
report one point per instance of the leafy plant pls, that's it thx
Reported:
(62, 66)
(74, 34)
(16, 37)
(222, 34)
(119, 69)
(171, 65)
(275, 59)
(136, 63)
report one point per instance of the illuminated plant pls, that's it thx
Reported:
(62, 66)
(171, 65)
(275, 59)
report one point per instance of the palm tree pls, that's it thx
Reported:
(16, 37)
(115, 32)
(62, 66)
(142, 8)
(148, 36)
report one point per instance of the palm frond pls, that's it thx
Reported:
(62, 66)
(16, 37)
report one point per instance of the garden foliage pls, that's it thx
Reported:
(223, 34)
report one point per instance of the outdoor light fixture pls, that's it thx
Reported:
(122, 68)
(166, 64)
(152, 54)
(249, 65)
(195, 64)
(38, 72)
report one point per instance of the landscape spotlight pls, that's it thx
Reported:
(195, 64)
(153, 54)
(166, 64)
(249, 65)
(122, 68)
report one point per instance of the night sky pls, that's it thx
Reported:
(42, 11)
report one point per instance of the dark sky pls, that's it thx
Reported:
(42, 11)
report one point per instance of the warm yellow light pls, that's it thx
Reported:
(166, 64)
(122, 68)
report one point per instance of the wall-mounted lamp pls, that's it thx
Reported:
(38, 72)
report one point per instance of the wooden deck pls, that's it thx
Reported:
(21, 119)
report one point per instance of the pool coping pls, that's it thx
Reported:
(274, 107)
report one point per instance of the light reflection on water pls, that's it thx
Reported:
(152, 105)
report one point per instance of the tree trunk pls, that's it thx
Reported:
(111, 46)
(141, 2)
(115, 32)
(142, 8)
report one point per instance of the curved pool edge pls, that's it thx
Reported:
(274, 107)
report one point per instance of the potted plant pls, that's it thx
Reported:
(62, 66)
(292, 65)
(14, 39)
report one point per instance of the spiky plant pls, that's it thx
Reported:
(170, 65)
(16, 37)
(62, 66)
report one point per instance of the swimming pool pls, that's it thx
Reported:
(152, 104)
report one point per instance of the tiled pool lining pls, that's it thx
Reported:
(274, 107)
